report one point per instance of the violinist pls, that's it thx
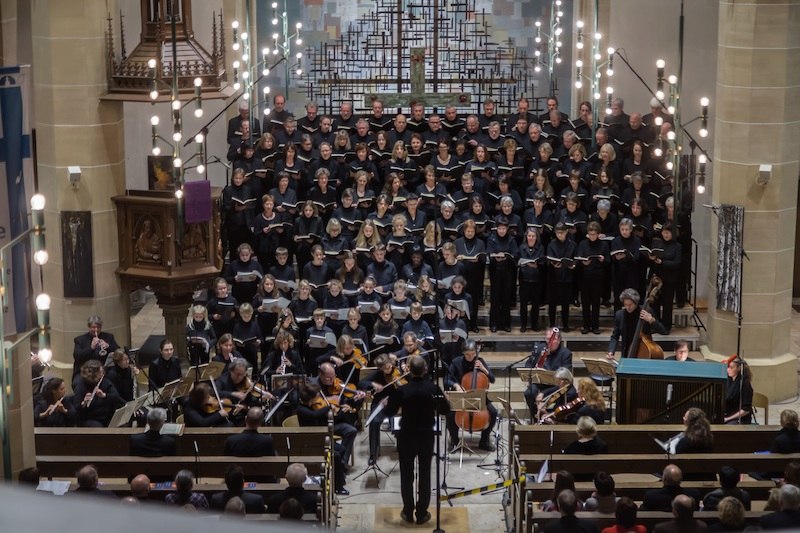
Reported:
(411, 346)
(240, 389)
(53, 409)
(345, 401)
(626, 320)
(385, 374)
(560, 394)
(348, 359)
(204, 410)
(283, 358)
(460, 367)
(95, 398)
(549, 355)
(313, 411)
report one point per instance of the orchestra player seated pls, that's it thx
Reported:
(562, 394)
(234, 481)
(94, 399)
(788, 438)
(588, 442)
(53, 408)
(551, 354)
(594, 405)
(152, 443)
(201, 410)
(296, 475)
(346, 413)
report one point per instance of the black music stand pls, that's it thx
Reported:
(467, 402)
(539, 376)
(602, 371)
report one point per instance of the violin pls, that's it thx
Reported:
(560, 413)
(358, 359)
(214, 405)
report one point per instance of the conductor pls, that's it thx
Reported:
(421, 401)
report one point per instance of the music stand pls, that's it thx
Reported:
(467, 402)
(211, 371)
(126, 412)
(602, 370)
(539, 376)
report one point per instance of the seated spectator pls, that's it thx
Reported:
(603, 499)
(788, 438)
(684, 522)
(728, 479)
(140, 487)
(29, 476)
(88, 481)
(250, 443)
(697, 437)
(564, 481)
(661, 499)
(568, 504)
(731, 515)
(588, 442)
(773, 500)
(789, 515)
(296, 475)
(234, 481)
(291, 509)
(234, 507)
(183, 495)
(152, 443)
(791, 474)
(625, 514)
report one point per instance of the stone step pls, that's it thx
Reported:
(680, 317)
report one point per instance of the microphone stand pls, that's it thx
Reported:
(196, 462)
(442, 485)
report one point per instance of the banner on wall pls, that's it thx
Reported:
(16, 173)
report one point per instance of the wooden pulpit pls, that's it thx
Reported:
(159, 250)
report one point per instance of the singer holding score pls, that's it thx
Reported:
(549, 355)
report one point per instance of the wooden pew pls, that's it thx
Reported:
(629, 439)
(210, 441)
(538, 520)
(540, 492)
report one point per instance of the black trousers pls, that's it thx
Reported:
(419, 446)
(664, 304)
(502, 283)
(375, 431)
(560, 294)
(591, 295)
(530, 293)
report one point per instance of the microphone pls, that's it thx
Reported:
(711, 206)
(669, 394)
(196, 462)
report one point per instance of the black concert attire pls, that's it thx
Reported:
(786, 441)
(342, 450)
(589, 447)
(275, 359)
(56, 419)
(559, 358)
(473, 257)
(560, 280)
(450, 350)
(739, 393)
(304, 225)
(625, 326)
(592, 277)
(237, 214)
(234, 134)
(163, 371)
(307, 498)
(253, 503)
(668, 272)
(83, 350)
(242, 290)
(198, 417)
(502, 272)
(268, 234)
(420, 400)
(226, 309)
(200, 340)
(375, 426)
(457, 370)
(626, 272)
(587, 410)
(122, 378)
(249, 443)
(99, 412)
(245, 335)
(531, 278)
(152, 443)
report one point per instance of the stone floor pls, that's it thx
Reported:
(357, 512)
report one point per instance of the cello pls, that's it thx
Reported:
(472, 381)
(642, 346)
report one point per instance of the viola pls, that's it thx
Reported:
(213, 406)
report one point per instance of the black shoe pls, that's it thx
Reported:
(476, 329)
(343, 492)
(596, 331)
(584, 331)
(424, 518)
(523, 329)
(507, 329)
(493, 329)
(536, 327)
(486, 446)
(406, 518)
(370, 461)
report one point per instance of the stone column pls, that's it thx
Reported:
(75, 128)
(175, 311)
(757, 121)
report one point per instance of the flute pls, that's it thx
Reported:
(87, 403)
(52, 409)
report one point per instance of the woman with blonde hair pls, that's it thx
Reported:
(594, 405)
(588, 442)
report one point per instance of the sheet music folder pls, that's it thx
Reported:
(540, 376)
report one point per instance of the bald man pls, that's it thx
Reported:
(661, 499)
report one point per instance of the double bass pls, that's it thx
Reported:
(472, 381)
(642, 346)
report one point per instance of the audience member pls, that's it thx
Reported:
(588, 442)
(603, 499)
(564, 481)
(296, 475)
(684, 522)
(152, 443)
(789, 515)
(625, 514)
(788, 438)
(568, 504)
(234, 481)
(183, 495)
(661, 499)
(728, 479)
(731, 516)
(140, 487)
